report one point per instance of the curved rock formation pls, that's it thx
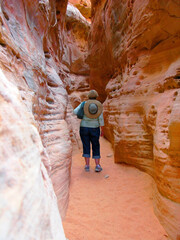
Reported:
(76, 71)
(84, 7)
(42, 59)
(34, 116)
(28, 204)
(134, 60)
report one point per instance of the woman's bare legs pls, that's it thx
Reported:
(97, 161)
(87, 160)
(98, 166)
(87, 164)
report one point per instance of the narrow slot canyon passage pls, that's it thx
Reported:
(115, 204)
(52, 53)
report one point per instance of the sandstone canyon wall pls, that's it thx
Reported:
(134, 57)
(76, 69)
(84, 7)
(77, 77)
(37, 57)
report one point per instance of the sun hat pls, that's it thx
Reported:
(93, 108)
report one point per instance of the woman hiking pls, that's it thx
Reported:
(92, 120)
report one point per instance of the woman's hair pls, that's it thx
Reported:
(92, 94)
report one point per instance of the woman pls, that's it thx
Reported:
(90, 129)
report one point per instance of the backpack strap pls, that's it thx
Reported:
(80, 112)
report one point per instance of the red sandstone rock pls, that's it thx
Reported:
(84, 7)
(77, 34)
(28, 204)
(43, 54)
(76, 74)
(34, 129)
(134, 62)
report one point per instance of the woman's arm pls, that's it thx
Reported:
(101, 123)
(75, 111)
(101, 120)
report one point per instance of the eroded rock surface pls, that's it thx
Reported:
(28, 204)
(135, 66)
(35, 123)
(134, 57)
(84, 7)
(76, 70)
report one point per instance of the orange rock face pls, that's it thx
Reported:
(134, 60)
(84, 7)
(28, 204)
(34, 119)
(76, 70)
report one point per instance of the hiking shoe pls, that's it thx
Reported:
(98, 168)
(87, 168)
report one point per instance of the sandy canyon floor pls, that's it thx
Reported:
(116, 204)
